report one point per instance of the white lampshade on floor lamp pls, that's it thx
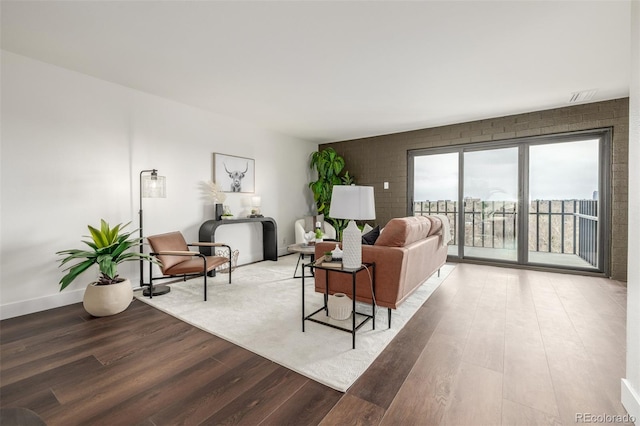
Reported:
(353, 203)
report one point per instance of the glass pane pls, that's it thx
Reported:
(491, 203)
(563, 204)
(436, 189)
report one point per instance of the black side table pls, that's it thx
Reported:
(353, 272)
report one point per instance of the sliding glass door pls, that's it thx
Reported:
(491, 204)
(533, 201)
(563, 203)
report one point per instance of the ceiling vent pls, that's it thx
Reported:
(585, 95)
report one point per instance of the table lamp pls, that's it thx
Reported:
(352, 203)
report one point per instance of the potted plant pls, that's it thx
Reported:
(226, 213)
(109, 247)
(329, 165)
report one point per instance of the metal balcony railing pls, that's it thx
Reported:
(555, 226)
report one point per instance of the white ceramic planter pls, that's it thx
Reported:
(340, 306)
(105, 300)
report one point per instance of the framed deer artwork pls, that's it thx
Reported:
(234, 174)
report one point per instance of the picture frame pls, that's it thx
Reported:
(233, 173)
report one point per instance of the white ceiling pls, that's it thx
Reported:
(336, 70)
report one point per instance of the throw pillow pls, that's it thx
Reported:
(366, 228)
(370, 237)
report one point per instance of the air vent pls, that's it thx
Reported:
(585, 95)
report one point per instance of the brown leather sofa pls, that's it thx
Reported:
(408, 251)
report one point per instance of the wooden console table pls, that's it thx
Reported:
(269, 234)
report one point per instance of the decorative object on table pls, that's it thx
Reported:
(212, 192)
(327, 256)
(151, 186)
(307, 224)
(234, 174)
(329, 166)
(225, 268)
(331, 264)
(352, 203)
(319, 235)
(111, 294)
(309, 238)
(337, 253)
(339, 306)
(256, 202)
(226, 213)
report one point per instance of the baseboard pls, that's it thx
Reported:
(631, 401)
(30, 306)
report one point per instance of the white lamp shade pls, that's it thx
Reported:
(256, 201)
(153, 187)
(352, 202)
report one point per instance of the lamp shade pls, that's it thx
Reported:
(153, 186)
(352, 202)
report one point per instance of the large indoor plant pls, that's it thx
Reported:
(109, 247)
(329, 166)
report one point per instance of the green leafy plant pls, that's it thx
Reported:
(109, 247)
(329, 165)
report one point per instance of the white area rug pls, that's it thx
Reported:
(262, 312)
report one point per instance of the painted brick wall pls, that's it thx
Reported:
(374, 160)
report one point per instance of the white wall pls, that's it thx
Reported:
(631, 384)
(72, 149)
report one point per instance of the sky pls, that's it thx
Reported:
(557, 171)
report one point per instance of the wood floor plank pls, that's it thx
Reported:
(426, 393)
(485, 343)
(84, 367)
(260, 402)
(98, 399)
(308, 406)
(24, 327)
(526, 373)
(514, 414)
(351, 410)
(468, 405)
(194, 346)
(180, 385)
(85, 333)
(216, 394)
(388, 372)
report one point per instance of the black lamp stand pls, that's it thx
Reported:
(158, 289)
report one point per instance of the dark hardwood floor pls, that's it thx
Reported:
(491, 346)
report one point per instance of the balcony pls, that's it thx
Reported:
(561, 232)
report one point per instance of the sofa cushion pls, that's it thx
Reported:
(436, 224)
(403, 231)
(370, 237)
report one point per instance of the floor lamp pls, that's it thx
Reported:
(151, 186)
(353, 203)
